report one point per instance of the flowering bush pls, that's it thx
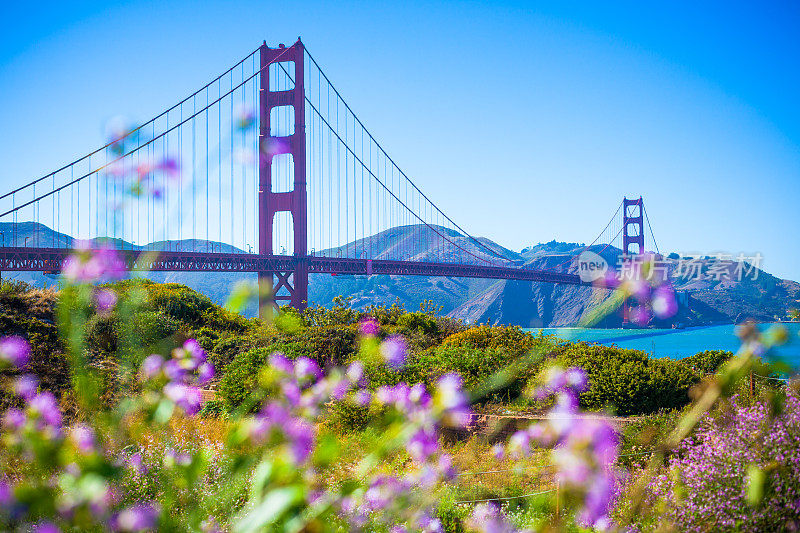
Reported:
(740, 471)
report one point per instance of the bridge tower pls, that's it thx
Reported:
(632, 226)
(270, 203)
(632, 234)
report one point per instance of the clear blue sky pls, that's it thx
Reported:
(524, 121)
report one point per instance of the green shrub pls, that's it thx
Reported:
(418, 322)
(451, 515)
(348, 417)
(213, 409)
(629, 381)
(708, 361)
(241, 374)
(509, 339)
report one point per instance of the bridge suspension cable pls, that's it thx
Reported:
(138, 128)
(380, 148)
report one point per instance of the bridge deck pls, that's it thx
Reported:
(15, 259)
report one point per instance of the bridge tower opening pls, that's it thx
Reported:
(284, 286)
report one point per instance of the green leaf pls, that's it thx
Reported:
(274, 505)
(755, 484)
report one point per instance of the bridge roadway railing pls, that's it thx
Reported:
(16, 259)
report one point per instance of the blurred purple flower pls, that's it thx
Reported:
(13, 419)
(205, 373)
(451, 399)
(105, 300)
(172, 457)
(664, 303)
(45, 407)
(185, 396)
(136, 463)
(519, 445)
(15, 350)
(291, 393)
(272, 146)
(25, 386)
(487, 518)
(383, 490)
(83, 437)
(423, 444)
(170, 167)
(281, 363)
(6, 494)
(87, 265)
(639, 315)
(152, 365)
(426, 524)
(498, 451)
(394, 351)
(362, 398)
(301, 437)
(174, 370)
(305, 369)
(195, 352)
(140, 517)
(45, 527)
(355, 373)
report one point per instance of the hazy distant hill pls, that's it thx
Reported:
(528, 304)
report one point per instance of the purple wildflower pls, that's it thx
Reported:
(663, 303)
(355, 373)
(362, 398)
(136, 463)
(185, 396)
(281, 363)
(423, 444)
(451, 399)
(6, 494)
(140, 517)
(87, 265)
(307, 369)
(45, 527)
(45, 407)
(15, 350)
(172, 458)
(487, 518)
(368, 327)
(301, 437)
(205, 373)
(25, 386)
(152, 365)
(174, 370)
(14, 419)
(84, 438)
(105, 300)
(394, 351)
(195, 352)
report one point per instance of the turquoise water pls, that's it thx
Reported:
(675, 343)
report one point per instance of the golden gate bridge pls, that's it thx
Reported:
(265, 169)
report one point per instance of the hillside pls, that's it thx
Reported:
(528, 304)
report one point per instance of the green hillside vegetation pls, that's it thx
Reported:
(627, 382)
